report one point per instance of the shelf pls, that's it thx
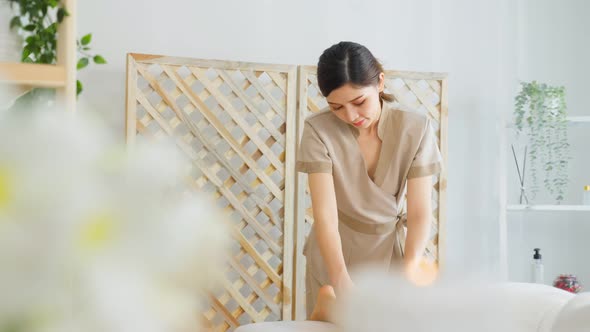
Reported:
(572, 120)
(579, 119)
(548, 208)
(32, 74)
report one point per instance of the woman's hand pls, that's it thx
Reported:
(420, 272)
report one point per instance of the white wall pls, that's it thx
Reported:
(553, 48)
(472, 40)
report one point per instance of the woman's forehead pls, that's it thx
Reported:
(348, 93)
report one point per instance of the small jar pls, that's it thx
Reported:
(586, 196)
(567, 282)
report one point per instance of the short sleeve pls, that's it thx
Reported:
(428, 160)
(312, 156)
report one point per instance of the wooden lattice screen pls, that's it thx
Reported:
(415, 91)
(238, 125)
(231, 120)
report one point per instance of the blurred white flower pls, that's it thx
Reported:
(98, 237)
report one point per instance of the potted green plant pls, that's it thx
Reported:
(37, 21)
(540, 112)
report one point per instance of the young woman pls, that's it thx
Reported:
(361, 155)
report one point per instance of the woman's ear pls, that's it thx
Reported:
(381, 82)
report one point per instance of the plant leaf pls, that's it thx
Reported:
(79, 87)
(15, 22)
(46, 58)
(82, 63)
(98, 59)
(52, 29)
(26, 53)
(61, 13)
(86, 39)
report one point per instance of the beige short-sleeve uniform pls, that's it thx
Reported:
(367, 209)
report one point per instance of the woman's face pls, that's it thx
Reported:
(357, 106)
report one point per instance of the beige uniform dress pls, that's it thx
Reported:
(368, 212)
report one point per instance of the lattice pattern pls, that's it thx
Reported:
(238, 126)
(232, 121)
(420, 92)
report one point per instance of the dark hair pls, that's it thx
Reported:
(348, 62)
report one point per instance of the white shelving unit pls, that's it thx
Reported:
(572, 120)
(508, 209)
(578, 119)
(548, 208)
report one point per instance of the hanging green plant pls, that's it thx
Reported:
(540, 111)
(38, 22)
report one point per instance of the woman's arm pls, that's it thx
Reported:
(419, 218)
(325, 214)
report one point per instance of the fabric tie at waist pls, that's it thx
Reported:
(374, 229)
(398, 225)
